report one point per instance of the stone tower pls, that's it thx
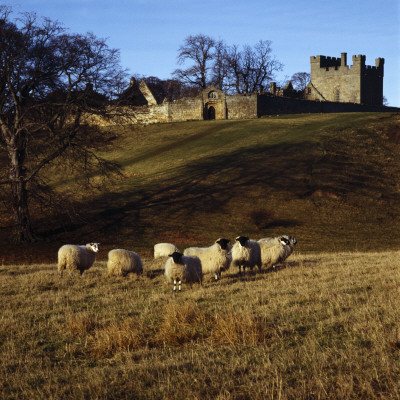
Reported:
(333, 80)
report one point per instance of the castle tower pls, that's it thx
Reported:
(333, 80)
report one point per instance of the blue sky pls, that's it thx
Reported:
(149, 32)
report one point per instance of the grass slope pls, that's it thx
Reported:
(329, 179)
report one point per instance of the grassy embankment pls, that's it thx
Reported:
(329, 179)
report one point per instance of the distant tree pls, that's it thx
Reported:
(252, 68)
(220, 66)
(49, 81)
(199, 50)
(300, 80)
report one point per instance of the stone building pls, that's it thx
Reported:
(333, 80)
(334, 87)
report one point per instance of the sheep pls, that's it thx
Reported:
(121, 262)
(164, 249)
(288, 248)
(80, 257)
(273, 251)
(246, 253)
(180, 268)
(214, 259)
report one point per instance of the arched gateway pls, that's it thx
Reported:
(211, 112)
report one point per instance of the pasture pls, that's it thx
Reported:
(329, 179)
(323, 325)
(320, 326)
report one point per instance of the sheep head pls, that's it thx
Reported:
(223, 243)
(242, 240)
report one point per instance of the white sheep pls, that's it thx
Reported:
(214, 259)
(180, 268)
(164, 249)
(273, 251)
(121, 262)
(246, 253)
(288, 247)
(80, 257)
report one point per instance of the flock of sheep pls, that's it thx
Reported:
(188, 267)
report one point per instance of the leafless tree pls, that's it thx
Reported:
(220, 66)
(199, 51)
(49, 81)
(252, 68)
(300, 80)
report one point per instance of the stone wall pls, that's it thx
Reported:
(271, 105)
(242, 106)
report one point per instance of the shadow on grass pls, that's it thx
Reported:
(206, 186)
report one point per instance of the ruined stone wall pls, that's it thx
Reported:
(241, 106)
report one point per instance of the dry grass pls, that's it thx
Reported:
(321, 326)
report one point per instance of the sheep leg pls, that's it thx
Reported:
(174, 285)
(180, 285)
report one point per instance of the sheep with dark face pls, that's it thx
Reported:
(180, 268)
(246, 253)
(273, 251)
(214, 259)
(73, 257)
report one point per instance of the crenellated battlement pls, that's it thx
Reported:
(333, 80)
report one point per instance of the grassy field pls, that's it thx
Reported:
(325, 325)
(322, 326)
(329, 179)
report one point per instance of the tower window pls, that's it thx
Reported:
(212, 95)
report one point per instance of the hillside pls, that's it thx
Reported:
(329, 179)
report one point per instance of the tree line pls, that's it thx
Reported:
(232, 68)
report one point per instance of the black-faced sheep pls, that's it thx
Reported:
(214, 259)
(246, 253)
(180, 268)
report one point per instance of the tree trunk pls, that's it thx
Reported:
(21, 212)
(19, 194)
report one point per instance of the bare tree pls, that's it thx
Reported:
(300, 80)
(252, 68)
(199, 50)
(220, 66)
(49, 81)
(234, 68)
